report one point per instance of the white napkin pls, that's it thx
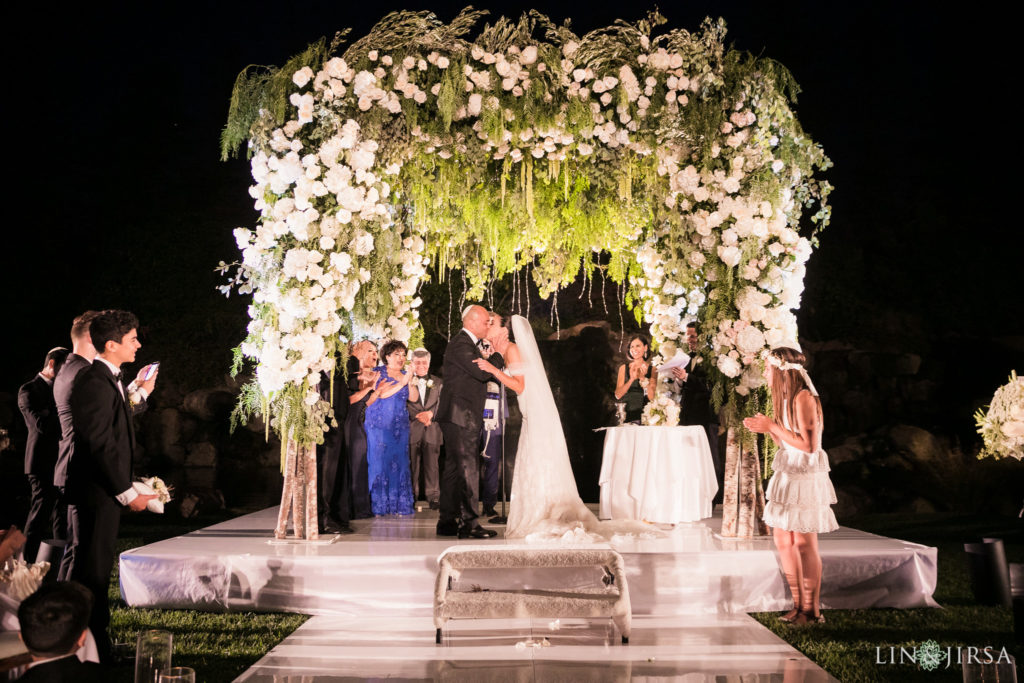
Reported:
(154, 505)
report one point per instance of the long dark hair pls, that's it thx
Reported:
(786, 384)
(647, 346)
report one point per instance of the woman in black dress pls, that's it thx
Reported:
(636, 383)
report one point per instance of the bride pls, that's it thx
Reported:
(545, 503)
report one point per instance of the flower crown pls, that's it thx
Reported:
(783, 365)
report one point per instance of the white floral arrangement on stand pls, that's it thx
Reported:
(1002, 425)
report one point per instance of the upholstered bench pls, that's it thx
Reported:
(610, 599)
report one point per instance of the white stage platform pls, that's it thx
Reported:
(387, 569)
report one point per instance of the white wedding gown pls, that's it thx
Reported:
(545, 505)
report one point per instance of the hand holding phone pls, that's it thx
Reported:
(151, 370)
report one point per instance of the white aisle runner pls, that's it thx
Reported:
(690, 649)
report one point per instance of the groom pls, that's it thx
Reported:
(460, 414)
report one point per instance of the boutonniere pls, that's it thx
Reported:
(134, 396)
(697, 360)
(430, 383)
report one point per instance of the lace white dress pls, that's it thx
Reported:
(545, 504)
(800, 494)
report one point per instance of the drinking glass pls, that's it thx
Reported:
(152, 655)
(178, 674)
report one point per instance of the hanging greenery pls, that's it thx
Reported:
(419, 148)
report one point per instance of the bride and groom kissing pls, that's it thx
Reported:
(545, 503)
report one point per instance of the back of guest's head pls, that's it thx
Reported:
(58, 356)
(786, 383)
(53, 618)
(391, 347)
(80, 325)
(112, 326)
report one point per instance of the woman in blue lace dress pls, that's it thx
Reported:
(387, 435)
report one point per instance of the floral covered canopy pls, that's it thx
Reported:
(672, 164)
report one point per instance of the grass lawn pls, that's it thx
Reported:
(221, 646)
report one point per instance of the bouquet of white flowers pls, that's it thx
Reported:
(1002, 427)
(663, 411)
(154, 486)
(20, 579)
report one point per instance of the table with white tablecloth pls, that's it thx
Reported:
(657, 474)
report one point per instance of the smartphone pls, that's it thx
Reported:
(152, 370)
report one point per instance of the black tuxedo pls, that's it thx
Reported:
(332, 476)
(460, 414)
(35, 400)
(67, 669)
(62, 388)
(100, 470)
(425, 440)
(696, 411)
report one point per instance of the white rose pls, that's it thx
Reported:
(729, 255)
(729, 366)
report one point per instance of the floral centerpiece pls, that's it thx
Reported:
(1002, 425)
(663, 411)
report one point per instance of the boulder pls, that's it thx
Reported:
(850, 450)
(575, 330)
(210, 404)
(918, 444)
(202, 454)
(200, 478)
(168, 441)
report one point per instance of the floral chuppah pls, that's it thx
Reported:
(527, 146)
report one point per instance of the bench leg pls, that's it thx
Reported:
(437, 637)
(625, 640)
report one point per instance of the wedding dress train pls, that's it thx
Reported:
(545, 504)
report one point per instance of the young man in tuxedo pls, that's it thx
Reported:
(35, 400)
(99, 479)
(53, 623)
(81, 357)
(460, 414)
(424, 433)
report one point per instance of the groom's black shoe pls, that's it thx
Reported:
(476, 531)
(448, 528)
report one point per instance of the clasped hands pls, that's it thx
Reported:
(759, 424)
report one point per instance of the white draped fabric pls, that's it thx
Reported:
(657, 474)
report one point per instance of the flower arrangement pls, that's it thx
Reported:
(1002, 425)
(527, 146)
(663, 411)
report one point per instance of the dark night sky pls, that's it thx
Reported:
(121, 201)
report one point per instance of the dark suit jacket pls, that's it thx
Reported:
(35, 399)
(67, 669)
(62, 387)
(462, 401)
(696, 395)
(417, 430)
(104, 436)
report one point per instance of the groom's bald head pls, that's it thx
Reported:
(475, 319)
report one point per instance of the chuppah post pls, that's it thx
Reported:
(743, 498)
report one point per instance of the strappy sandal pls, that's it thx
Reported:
(790, 616)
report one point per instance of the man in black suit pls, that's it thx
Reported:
(334, 502)
(53, 623)
(696, 400)
(424, 432)
(460, 414)
(99, 480)
(35, 400)
(81, 357)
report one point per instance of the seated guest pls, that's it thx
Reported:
(11, 541)
(387, 435)
(53, 623)
(35, 400)
(424, 434)
(636, 382)
(361, 381)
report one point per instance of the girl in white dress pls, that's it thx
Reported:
(800, 493)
